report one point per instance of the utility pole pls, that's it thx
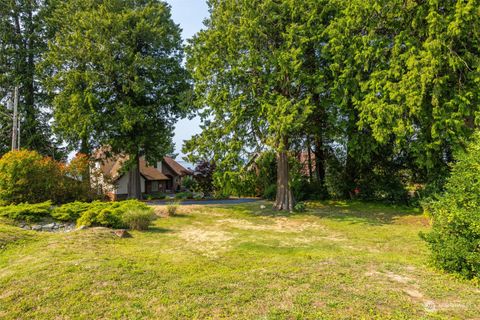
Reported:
(15, 134)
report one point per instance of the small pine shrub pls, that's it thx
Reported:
(455, 237)
(138, 219)
(27, 212)
(106, 214)
(71, 211)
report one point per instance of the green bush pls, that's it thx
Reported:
(110, 215)
(158, 196)
(172, 209)
(28, 177)
(72, 211)
(300, 207)
(270, 192)
(27, 212)
(455, 237)
(184, 195)
(189, 183)
(138, 219)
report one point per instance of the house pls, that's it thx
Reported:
(164, 176)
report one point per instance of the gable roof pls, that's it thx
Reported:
(151, 173)
(176, 167)
(112, 167)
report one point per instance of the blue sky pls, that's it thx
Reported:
(189, 14)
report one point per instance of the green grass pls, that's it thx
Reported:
(338, 260)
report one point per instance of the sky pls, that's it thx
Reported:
(189, 14)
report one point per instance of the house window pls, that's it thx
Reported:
(154, 186)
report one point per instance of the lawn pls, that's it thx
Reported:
(339, 260)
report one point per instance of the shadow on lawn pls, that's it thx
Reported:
(159, 230)
(348, 211)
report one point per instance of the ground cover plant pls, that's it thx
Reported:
(27, 212)
(124, 214)
(337, 260)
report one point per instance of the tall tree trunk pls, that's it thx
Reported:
(134, 180)
(284, 199)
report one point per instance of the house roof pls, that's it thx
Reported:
(151, 173)
(113, 167)
(176, 167)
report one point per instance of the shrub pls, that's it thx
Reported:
(158, 196)
(270, 192)
(28, 177)
(110, 214)
(188, 183)
(71, 211)
(172, 209)
(204, 177)
(184, 195)
(138, 219)
(455, 237)
(26, 211)
(95, 216)
(300, 207)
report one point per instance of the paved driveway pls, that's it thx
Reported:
(203, 202)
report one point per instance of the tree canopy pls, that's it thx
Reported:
(115, 69)
(379, 88)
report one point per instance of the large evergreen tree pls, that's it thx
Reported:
(115, 69)
(23, 38)
(409, 73)
(250, 68)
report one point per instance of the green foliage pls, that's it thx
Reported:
(26, 176)
(184, 195)
(381, 186)
(306, 190)
(249, 65)
(115, 72)
(172, 208)
(155, 196)
(72, 211)
(26, 212)
(189, 183)
(107, 214)
(24, 34)
(138, 219)
(300, 207)
(270, 192)
(455, 237)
